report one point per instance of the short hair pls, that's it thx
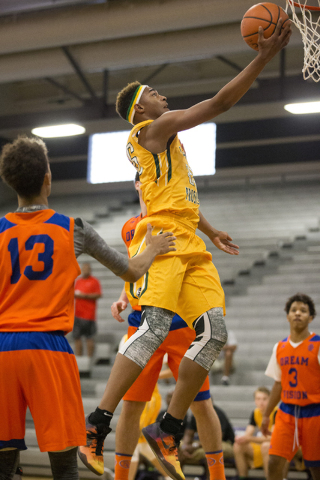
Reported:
(301, 297)
(262, 390)
(124, 99)
(23, 165)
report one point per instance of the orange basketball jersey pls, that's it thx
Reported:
(38, 268)
(300, 378)
(129, 228)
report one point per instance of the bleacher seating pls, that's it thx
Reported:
(277, 228)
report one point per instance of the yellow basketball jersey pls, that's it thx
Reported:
(168, 185)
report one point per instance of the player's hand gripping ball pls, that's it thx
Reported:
(265, 15)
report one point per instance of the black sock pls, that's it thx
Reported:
(171, 425)
(100, 416)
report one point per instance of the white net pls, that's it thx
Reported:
(308, 22)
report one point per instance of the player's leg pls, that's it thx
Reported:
(265, 456)
(12, 405)
(135, 354)
(315, 472)
(201, 289)
(134, 414)
(56, 405)
(127, 438)
(210, 435)
(194, 367)
(130, 361)
(64, 464)
(283, 446)
(275, 467)
(309, 435)
(9, 461)
(211, 335)
(243, 456)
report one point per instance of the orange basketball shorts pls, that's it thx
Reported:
(39, 370)
(175, 345)
(296, 427)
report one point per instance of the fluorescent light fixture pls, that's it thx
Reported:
(107, 160)
(59, 131)
(302, 108)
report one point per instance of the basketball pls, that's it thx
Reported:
(265, 15)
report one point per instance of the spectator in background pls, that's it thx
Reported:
(252, 450)
(191, 451)
(87, 291)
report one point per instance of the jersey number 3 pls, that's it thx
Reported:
(45, 257)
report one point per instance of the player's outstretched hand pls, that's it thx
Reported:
(162, 243)
(265, 426)
(223, 242)
(117, 308)
(269, 47)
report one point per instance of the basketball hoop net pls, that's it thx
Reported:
(309, 26)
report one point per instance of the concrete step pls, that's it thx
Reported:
(298, 269)
(285, 289)
(287, 279)
(264, 300)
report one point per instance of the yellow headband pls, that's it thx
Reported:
(135, 99)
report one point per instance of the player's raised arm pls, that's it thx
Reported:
(175, 121)
(156, 245)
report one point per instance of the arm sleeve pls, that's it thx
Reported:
(87, 240)
(273, 369)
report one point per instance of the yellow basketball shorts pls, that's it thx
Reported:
(185, 281)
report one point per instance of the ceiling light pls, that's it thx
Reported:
(58, 131)
(299, 108)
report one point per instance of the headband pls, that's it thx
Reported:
(135, 99)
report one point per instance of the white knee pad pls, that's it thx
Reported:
(211, 336)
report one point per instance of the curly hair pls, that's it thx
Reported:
(301, 297)
(23, 165)
(124, 99)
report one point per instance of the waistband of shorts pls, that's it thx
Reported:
(306, 411)
(53, 341)
(173, 218)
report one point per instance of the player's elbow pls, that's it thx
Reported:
(131, 275)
